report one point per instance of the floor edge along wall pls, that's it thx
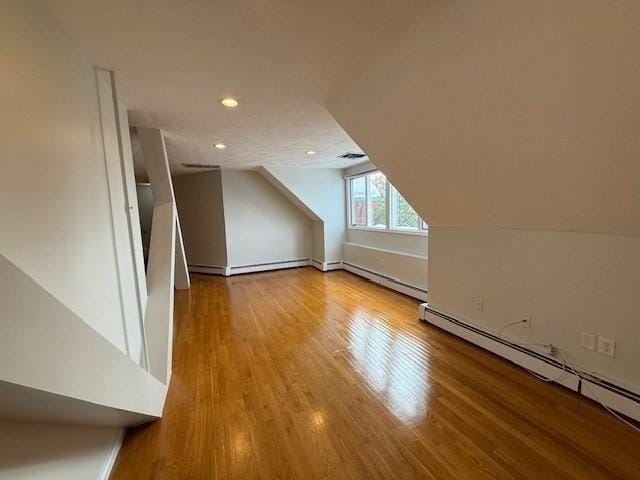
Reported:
(376, 277)
(604, 392)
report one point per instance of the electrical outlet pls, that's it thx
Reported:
(588, 341)
(606, 346)
(526, 320)
(480, 304)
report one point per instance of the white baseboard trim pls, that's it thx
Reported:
(612, 397)
(330, 266)
(379, 278)
(209, 269)
(615, 397)
(262, 267)
(386, 281)
(326, 266)
(113, 455)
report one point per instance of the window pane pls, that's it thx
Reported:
(403, 216)
(377, 200)
(359, 201)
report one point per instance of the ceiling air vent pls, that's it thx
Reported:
(352, 155)
(201, 165)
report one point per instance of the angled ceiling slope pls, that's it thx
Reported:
(508, 114)
(174, 60)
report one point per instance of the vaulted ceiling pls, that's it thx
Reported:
(174, 60)
(501, 114)
(512, 114)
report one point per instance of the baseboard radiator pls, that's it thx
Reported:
(376, 277)
(614, 396)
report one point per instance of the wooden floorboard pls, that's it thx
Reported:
(299, 374)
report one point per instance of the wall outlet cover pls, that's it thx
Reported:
(588, 341)
(526, 320)
(606, 346)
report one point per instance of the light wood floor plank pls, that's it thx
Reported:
(298, 374)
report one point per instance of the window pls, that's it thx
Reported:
(359, 201)
(377, 200)
(403, 216)
(375, 203)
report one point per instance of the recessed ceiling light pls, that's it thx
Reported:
(310, 152)
(229, 102)
(220, 146)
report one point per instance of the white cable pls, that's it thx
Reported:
(585, 382)
(540, 377)
(507, 326)
(565, 364)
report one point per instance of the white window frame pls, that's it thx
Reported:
(423, 228)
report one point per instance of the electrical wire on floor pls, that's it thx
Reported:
(561, 355)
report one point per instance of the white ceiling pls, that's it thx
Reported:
(174, 60)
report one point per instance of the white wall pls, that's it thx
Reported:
(200, 207)
(53, 187)
(398, 242)
(261, 224)
(569, 282)
(396, 255)
(517, 115)
(507, 114)
(402, 256)
(53, 452)
(322, 191)
(56, 223)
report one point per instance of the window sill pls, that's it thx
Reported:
(389, 230)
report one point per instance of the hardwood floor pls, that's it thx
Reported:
(298, 374)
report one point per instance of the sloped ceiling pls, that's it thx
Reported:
(513, 114)
(174, 60)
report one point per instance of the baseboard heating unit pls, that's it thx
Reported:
(602, 391)
(376, 277)
(386, 281)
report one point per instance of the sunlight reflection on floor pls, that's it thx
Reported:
(394, 364)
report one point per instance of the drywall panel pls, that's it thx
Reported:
(568, 282)
(54, 200)
(507, 114)
(261, 225)
(31, 451)
(199, 202)
(47, 348)
(397, 242)
(406, 268)
(318, 237)
(322, 191)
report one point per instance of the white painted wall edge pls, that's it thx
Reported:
(110, 461)
(158, 319)
(622, 400)
(73, 360)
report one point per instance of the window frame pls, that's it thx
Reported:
(423, 227)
